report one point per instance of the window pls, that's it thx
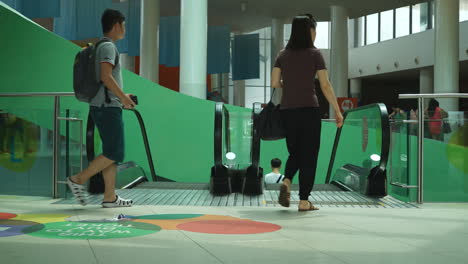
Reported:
(402, 21)
(361, 31)
(386, 25)
(255, 88)
(420, 17)
(372, 29)
(432, 13)
(463, 10)
(287, 33)
(323, 35)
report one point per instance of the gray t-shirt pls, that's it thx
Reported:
(274, 178)
(107, 53)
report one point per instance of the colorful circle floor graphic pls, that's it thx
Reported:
(7, 216)
(171, 221)
(14, 227)
(232, 227)
(56, 226)
(18, 224)
(103, 230)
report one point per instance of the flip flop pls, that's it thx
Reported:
(78, 191)
(119, 202)
(284, 196)
(311, 208)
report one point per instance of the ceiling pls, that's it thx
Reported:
(259, 13)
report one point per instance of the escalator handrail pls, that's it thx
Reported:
(385, 146)
(218, 130)
(227, 132)
(255, 149)
(90, 153)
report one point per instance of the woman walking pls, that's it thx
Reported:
(436, 116)
(295, 69)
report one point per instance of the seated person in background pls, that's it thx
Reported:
(275, 176)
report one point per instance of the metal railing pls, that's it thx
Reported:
(420, 166)
(56, 134)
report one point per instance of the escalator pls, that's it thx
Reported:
(356, 173)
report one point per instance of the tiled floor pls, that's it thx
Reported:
(433, 233)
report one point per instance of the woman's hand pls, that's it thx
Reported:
(339, 119)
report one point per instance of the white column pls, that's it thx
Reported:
(128, 62)
(239, 93)
(228, 90)
(356, 87)
(149, 51)
(426, 82)
(193, 47)
(447, 37)
(277, 44)
(339, 52)
(215, 83)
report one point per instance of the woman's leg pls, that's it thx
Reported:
(290, 123)
(310, 145)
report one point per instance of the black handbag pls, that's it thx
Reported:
(270, 126)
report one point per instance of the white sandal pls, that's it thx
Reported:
(119, 202)
(78, 191)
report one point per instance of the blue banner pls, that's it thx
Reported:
(36, 8)
(88, 17)
(11, 3)
(65, 24)
(246, 57)
(169, 41)
(219, 56)
(133, 22)
(123, 7)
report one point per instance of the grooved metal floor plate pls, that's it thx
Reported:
(202, 197)
(206, 186)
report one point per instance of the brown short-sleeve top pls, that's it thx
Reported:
(298, 70)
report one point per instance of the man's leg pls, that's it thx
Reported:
(109, 175)
(97, 165)
(111, 200)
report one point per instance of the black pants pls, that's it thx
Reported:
(303, 126)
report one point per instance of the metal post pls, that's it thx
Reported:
(67, 144)
(55, 164)
(81, 144)
(420, 149)
(265, 67)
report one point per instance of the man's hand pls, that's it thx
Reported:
(127, 102)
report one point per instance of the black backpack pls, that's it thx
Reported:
(85, 83)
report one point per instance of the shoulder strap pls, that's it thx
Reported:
(272, 94)
(279, 178)
(117, 59)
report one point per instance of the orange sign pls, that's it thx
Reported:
(347, 103)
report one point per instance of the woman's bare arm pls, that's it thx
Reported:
(276, 78)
